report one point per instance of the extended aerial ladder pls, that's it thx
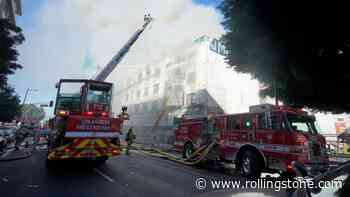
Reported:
(83, 126)
(108, 69)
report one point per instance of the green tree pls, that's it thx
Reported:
(10, 37)
(9, 104)
(304, 47)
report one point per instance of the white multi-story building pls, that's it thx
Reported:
(196, 81)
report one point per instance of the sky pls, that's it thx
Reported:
(71, 38)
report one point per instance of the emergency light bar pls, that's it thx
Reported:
(270, 107)
(262, 108)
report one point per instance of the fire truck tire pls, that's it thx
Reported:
(250, 164)
(188, 150)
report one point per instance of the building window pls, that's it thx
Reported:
(191, 78)
(157, 72)
(148, 72)
(156, 89)
(190, 98)
(137, 108)
(130, 109)
(131, 95)
(155, 106)
(145, 93)
(148, 107)
(140, 76)
(138, 94)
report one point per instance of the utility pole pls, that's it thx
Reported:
(26, 94)
(25, 98)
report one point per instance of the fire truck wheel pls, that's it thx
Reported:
(188, 150)
(251, 164)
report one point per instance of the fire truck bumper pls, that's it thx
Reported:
(84, 149)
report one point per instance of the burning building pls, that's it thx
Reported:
(198, 82)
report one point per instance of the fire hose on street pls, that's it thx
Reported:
(199, 155)
(26, 153)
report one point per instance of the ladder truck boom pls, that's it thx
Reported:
(101, 76)
(83, 126)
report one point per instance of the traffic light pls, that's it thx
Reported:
(51, 104)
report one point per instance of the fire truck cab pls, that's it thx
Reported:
(267, 138)
(83, 126)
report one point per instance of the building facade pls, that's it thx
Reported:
(196, 81)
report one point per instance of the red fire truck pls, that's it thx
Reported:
(267, 138)
(83, 126)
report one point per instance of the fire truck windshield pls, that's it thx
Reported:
(302, 123)
(99, 94)
(69, 97)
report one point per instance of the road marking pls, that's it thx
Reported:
(6, 153)
(104, 175)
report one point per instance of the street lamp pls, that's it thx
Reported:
(26, 94)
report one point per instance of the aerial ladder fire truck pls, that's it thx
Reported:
(83, 126)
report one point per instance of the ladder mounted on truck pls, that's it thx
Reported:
(108, 69)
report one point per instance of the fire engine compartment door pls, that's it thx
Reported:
(270, 129)
(248, 126)
(211, 129)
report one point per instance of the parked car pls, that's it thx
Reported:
(3, 143)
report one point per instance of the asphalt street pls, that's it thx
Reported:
(134, 175)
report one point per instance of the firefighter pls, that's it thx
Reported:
(130, 137)
(19, 136)
(214, 137)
